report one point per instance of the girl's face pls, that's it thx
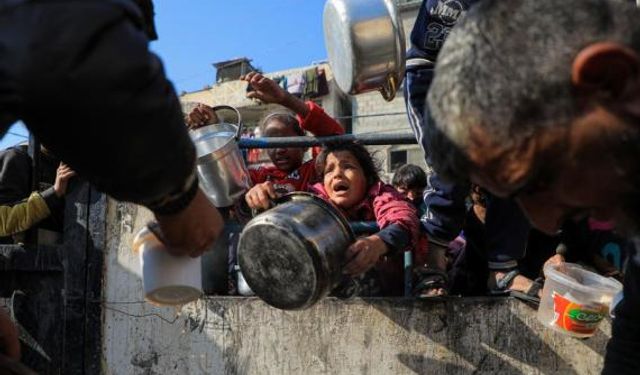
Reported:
(286, 159)
(344, 179)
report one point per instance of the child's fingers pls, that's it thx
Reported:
(253, 95)
(249, 76)
(250, 201)
(358, 265)
(351, 256)
(255, 77)
(363, 260)
(263, 199)
(258, 82)
(270, 190)
(204, 110)
(352, 250)
(68, 174)
(193, 117)
(63, 168)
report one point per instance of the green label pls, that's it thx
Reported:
(585, 316)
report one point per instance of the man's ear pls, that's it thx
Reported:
(605, 69)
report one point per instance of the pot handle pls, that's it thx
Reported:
(388, 90)
(240, 124)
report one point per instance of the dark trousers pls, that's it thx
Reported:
(506, 226)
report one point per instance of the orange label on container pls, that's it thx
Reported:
(575, 317)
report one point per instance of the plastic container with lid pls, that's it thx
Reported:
(166, 279)
(575, 300)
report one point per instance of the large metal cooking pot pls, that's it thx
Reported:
(292, 255)
(366, 45)
(223, 175)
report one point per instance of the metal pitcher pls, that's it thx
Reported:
(222, 172)
(366, 45)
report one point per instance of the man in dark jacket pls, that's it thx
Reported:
(80, 76)
(540, 101)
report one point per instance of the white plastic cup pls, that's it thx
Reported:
(166, 279)
(575, 300)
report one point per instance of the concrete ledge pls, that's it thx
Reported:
(234, 335)
(363, 336)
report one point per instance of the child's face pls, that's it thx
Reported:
(344, 179)
(286, 159)
(413, 195)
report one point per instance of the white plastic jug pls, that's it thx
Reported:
(166, 279)
(575, 300)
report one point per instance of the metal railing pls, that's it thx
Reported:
(304, 141)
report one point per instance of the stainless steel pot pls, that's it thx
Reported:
(292, 255)
(221, 170)
(366, 45)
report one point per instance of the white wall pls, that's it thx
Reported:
(235, 335)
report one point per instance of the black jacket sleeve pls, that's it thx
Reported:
(99, 99)
(396, 237)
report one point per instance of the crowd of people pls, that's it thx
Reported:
(348, 176)
(527, 111)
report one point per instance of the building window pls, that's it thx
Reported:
(397, 159)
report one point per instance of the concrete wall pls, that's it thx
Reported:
(230, 335)
(233, 93)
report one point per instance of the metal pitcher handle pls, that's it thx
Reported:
(240, 124)
(388, 90)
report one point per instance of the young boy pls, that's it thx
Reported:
(430, 262)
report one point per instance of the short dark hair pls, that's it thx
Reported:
(506, 67)
(410, 176)
(287, 118)
(367, 161)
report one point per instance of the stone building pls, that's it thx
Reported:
(364, 113)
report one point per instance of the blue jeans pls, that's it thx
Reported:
(506, 226)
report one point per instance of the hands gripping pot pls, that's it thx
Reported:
(292, 255)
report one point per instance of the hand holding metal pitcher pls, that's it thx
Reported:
(222, 172)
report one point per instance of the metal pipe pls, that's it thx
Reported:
(374, 114)
(365, 139)
(358, 227)
(408, 268)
